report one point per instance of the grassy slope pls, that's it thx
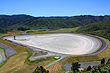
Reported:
(5, 59)
(51, 31)
(3, 52)
(101, 29)
(15, 32)
(12, 33)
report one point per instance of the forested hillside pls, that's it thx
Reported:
(100, 29)
(7, 20)
(58, 22)
(28, 22)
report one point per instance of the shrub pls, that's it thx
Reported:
(89, 68)
(103, 61)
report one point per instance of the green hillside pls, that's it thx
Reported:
(100, 29)
(58, 22)
(7, 20)
(15, 21)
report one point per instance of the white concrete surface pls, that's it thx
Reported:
(65, 43)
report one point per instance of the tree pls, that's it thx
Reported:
(103, 61)
(40, 70)
(89, 68)
(75, 66)
(96, 69)
(22, 28)
(3, 31)
(108, 62)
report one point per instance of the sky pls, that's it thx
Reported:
(55, 7)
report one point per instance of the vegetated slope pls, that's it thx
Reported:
(58, 22)
(48, 23)
(7, 20)
(100, 29)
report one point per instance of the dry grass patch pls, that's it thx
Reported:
(73, 59)
(3, 53)
(55, 68)
(16, 64)
(13, 62)
(104, 54)
(14, 32)
(51, 31)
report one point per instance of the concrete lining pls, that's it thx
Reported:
(88, 44)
